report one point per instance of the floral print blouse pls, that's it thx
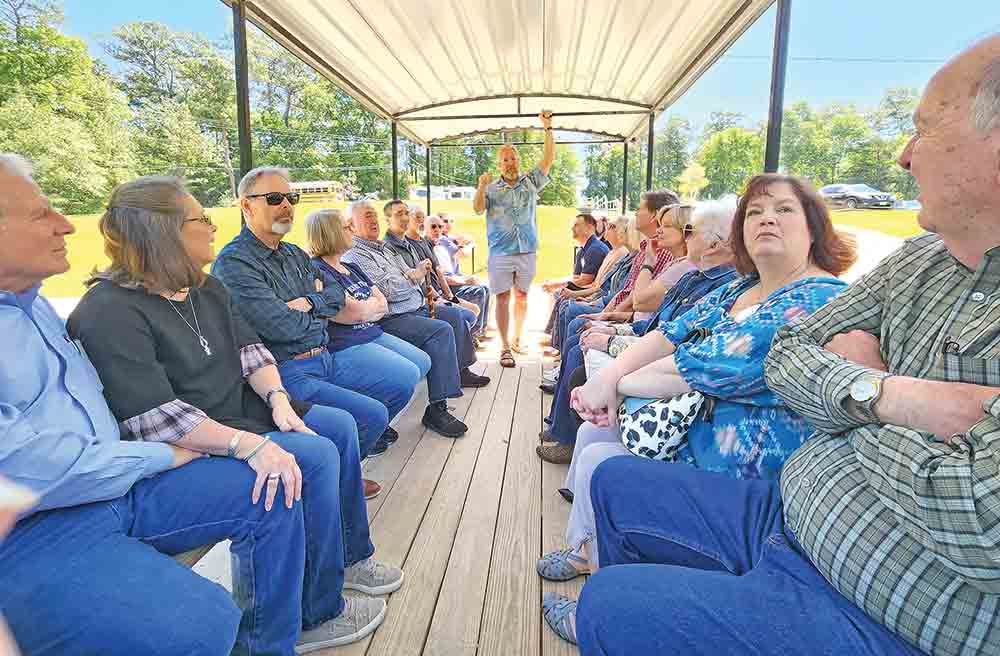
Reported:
(749, 432)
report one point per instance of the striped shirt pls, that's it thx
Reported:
(387, 270)
(902, 524)
(663, 258)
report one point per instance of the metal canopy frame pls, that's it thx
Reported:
(245, 10)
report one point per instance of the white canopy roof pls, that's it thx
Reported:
(600, 65)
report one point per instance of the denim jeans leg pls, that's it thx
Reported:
(480, 296)
(464, 348)
(437, 340)
(407, 350)
(570, 312)
(720, 576)
(312, 380)
(564, 423)
(378, 373)
(273, 560)
(329, 423)
(74, 583)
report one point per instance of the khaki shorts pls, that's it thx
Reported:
(506, 271)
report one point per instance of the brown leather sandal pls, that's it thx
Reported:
(507, 359)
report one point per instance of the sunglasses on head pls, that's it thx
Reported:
(275, 197)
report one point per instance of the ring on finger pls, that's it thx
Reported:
(273, 476)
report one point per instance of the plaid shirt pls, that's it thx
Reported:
(663, 258)
(388, 271)
(902, 524)
(170, 421)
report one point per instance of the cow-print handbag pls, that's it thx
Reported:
(657, 428)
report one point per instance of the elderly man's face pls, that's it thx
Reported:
(266, 219)
(434, 231)
(364, 221)
(417, 218)
(956, 166)
(32, 235)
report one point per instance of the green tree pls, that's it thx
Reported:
(692, 181)
(730, 158)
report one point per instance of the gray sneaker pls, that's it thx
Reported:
(360, 617)
(372, 577)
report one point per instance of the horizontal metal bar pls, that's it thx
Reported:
(530, 143)
(519, 96)
(438, 142)
(469, 117)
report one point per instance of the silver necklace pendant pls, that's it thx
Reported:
(204, 345)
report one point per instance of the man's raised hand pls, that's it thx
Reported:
(485, 179)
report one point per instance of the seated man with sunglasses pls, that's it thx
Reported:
(277, 290)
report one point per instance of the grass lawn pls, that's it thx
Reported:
(86, 249)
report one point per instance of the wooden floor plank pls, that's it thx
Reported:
(455, 625)
(384, 469)
(411, 609)
(511, 615)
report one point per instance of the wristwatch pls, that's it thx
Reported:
(276, 390)
(865, 392)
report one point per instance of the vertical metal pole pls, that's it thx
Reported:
(779, 64)
(625, 178)
(395, 160)
(650, 143)
(427, 176)
(242, 86)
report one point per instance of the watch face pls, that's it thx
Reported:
(864, 390)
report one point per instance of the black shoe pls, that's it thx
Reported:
(566, 494)
(438, 419)
(470, 379)
(389, 436)
(378, 448)
(548, 388)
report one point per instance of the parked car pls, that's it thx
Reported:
(853, 196)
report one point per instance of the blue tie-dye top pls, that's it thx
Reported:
(751, 432)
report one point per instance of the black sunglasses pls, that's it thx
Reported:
(204, 218)
(275, 197)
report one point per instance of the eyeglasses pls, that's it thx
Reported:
(275, 197)
(435, 226)
(688, 230)
(204, 218)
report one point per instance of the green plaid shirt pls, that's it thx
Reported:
(902, 524)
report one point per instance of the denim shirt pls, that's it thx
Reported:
(751, 431)
(57, 434)
(262, 280)
(511, 222)
(681, 297)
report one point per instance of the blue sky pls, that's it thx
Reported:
(910, 40)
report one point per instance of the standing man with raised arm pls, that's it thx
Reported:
(512, 233)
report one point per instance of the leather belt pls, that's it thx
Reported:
(311, 353)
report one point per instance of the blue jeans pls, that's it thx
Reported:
(397, 365)
(94, 579)
(480, 296)
(564, 425)
(436, 338)
(313, 379)
(699, 563)
(570, 311)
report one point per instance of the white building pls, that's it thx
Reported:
(450, 192)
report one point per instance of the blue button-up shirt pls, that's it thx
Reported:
(57, 434)
(681, 297)
(262, 280)
(511, 223)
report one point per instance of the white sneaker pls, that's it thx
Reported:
(360, 617)
(551, 375)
